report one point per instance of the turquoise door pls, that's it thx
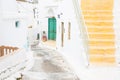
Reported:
(51, 28)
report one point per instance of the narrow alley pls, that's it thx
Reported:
(59, 40)
(49, 65)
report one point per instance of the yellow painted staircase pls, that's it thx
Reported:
(98, 17)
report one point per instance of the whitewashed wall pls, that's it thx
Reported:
(9, 34)
(116, 13)
(73, 48)
(46, 9)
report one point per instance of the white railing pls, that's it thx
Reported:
(83, 28)
(6, 50)
(13, 63)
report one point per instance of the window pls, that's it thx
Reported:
(17, 24)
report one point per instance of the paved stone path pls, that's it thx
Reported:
(50, 64)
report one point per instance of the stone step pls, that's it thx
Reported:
(101, 36)
(99, 33)
(102, 59)
(98, 17)
(101, 27)
(101, 47)
(97, 12)
(100, 30)
(101, 51)
(99, 23)
(97, 4)
(91, 10)
(101, 43)
(99, 20)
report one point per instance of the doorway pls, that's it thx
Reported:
(52, 28)
(62, 34)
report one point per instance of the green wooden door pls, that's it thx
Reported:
(51, 28)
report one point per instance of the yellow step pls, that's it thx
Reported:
(102, 59)
(97, 4)
(101, 36)
(99, 23)
(94, 17)
(101, 43)
(100, 27)
(98, 18)
(101, 51)
(97, 12)
(102, 30)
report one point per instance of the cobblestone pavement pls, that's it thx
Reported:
(50, 64)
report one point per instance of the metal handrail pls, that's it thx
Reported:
(82, 27)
